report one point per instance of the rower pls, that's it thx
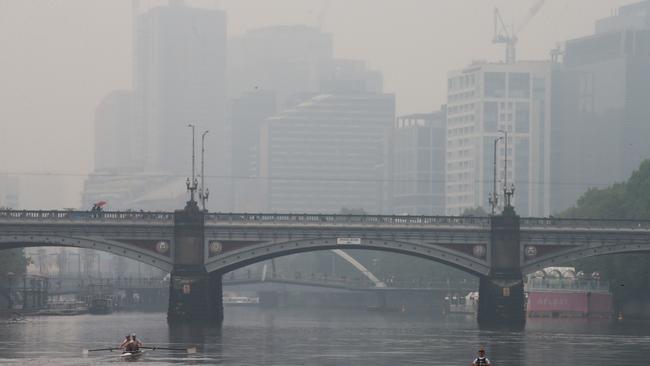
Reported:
(481, 360)
(134, 344)
(126, 341)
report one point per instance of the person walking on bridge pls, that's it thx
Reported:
(481, 360)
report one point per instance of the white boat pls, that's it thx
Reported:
(132, 355)
(459, 304)
(63, 308)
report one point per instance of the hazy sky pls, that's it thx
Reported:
(58, 58)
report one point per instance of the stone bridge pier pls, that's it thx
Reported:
(501, 292)
(194, 294)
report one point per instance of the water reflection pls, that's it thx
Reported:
(252, 336)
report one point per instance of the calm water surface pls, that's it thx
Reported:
(253, 336)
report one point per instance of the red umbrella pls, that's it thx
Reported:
(100, 203)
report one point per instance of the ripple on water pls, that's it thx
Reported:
(252, 336)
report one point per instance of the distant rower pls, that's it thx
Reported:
(131, 344)
(126, 341)
(481, 360)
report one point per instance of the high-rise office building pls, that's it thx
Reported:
(115, 134)
(484, 101)
(180, 79)
(248, 114)
(418, 163)
(143, 135)
(601, 104)
(284, 59)
(328, 153)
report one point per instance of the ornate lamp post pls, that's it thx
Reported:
(493, 198)
(193, 183)
(204, 193)
(508, 190)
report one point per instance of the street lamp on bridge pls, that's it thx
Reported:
(493, 197)
(204, 193)
(193, 183)
(508, 190)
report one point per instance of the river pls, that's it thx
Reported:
(254, 336)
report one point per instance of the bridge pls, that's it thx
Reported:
(198, 247)
(76, 285)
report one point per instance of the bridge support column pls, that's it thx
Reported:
(501, 302)
(501, 293)
(194, 294)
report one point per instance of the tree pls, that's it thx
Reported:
(629, 274)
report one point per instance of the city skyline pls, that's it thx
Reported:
(34, 106)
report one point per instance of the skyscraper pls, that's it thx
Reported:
(249, 113)
(116, 134)
(180, 79)
(601, 103)
(418, 163)
(484, 101)
(142, 138)
(283, 59)
(328, 153)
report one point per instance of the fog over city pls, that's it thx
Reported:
(59, 59)
(325, 182)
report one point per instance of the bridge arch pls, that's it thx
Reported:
(232, 260)
(581, 252)
(105, 245)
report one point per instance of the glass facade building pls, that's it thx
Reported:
(328, 153)
(418, 164)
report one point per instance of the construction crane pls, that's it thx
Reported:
(508, 36)
(323, 12)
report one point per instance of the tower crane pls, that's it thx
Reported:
(508, 36)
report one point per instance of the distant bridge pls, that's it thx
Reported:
(74, 285)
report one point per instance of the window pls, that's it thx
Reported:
(519, 85)
(424, 138)
(522, 118)
(495, 84)
(539, 88)
(490, 116)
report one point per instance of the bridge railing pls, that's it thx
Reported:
(240, 218)
(323, 219)
(550, 222)
(85, 216)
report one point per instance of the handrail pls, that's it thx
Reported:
(82, 216)
(551, 222)
(320, 219)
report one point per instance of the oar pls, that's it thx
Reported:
(85, 351)
(188, 350)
